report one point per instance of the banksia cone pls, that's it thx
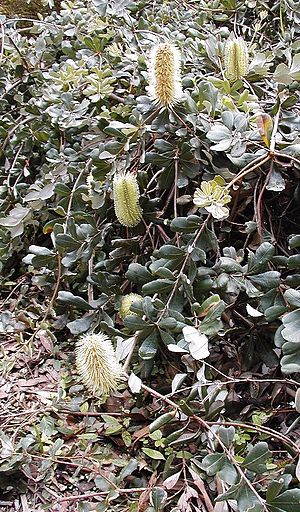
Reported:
(96, 363)
(89, 181)
(126, 199)
(126, 302)
(236, 59)
(164, 74)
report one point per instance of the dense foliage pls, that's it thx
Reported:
(209, 417)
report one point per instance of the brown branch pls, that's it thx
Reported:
(81, 497)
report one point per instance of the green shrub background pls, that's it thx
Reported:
(74, 112)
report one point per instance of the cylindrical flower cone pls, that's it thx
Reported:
(126, 302)
(164, 74)
(126, 199)
(236, 59)
(97, 365)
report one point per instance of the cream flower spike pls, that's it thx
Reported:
(164, 74)
(97, 365)
(126, 302)
(126, 199)
(89, 181)
(236, 58)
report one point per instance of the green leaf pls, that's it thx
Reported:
(7, 448)
(229, 265)
(186, 224)
(228, 473)
(295, 67)
(167, 323)
(158, 286)
(128, 470)
(208, 304)
(112, 425)
(46, 426)
(290, 362)
(81, 324)
(266, 280)
(158, 497)
(55, 448)
(288, 501)
(161, 421)
(148, 348)
(66, 242)
(226, 434)
(294, 262)
(292, 297)
(153, 454)
(256, 459)
(264, 253)
(281, 74)
(245, 497)
(248, 501)
(213, 463)
(40, 251)
(231, 493)
(138, 274)
(212, 322)
(166, 338)
(169, 252)
(163, 272)
(291, 322)
(294, 241)
(15, 217)
(134, 322)
(274, 488)
(274, 312)
(73, 300)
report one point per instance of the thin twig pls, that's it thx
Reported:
(259, 200)
(260, 161)
(81, 497)
(284, 155)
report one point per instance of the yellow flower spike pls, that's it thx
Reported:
(89, 182)
(126, 302)
(236, 59)
(97, 365)
(126, 199)
(164, 74)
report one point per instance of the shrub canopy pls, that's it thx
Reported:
(214, 261)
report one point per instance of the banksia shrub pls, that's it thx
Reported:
(126, 199)
(164, 74)
(236, 59)
(126, 302)
(96, 363)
